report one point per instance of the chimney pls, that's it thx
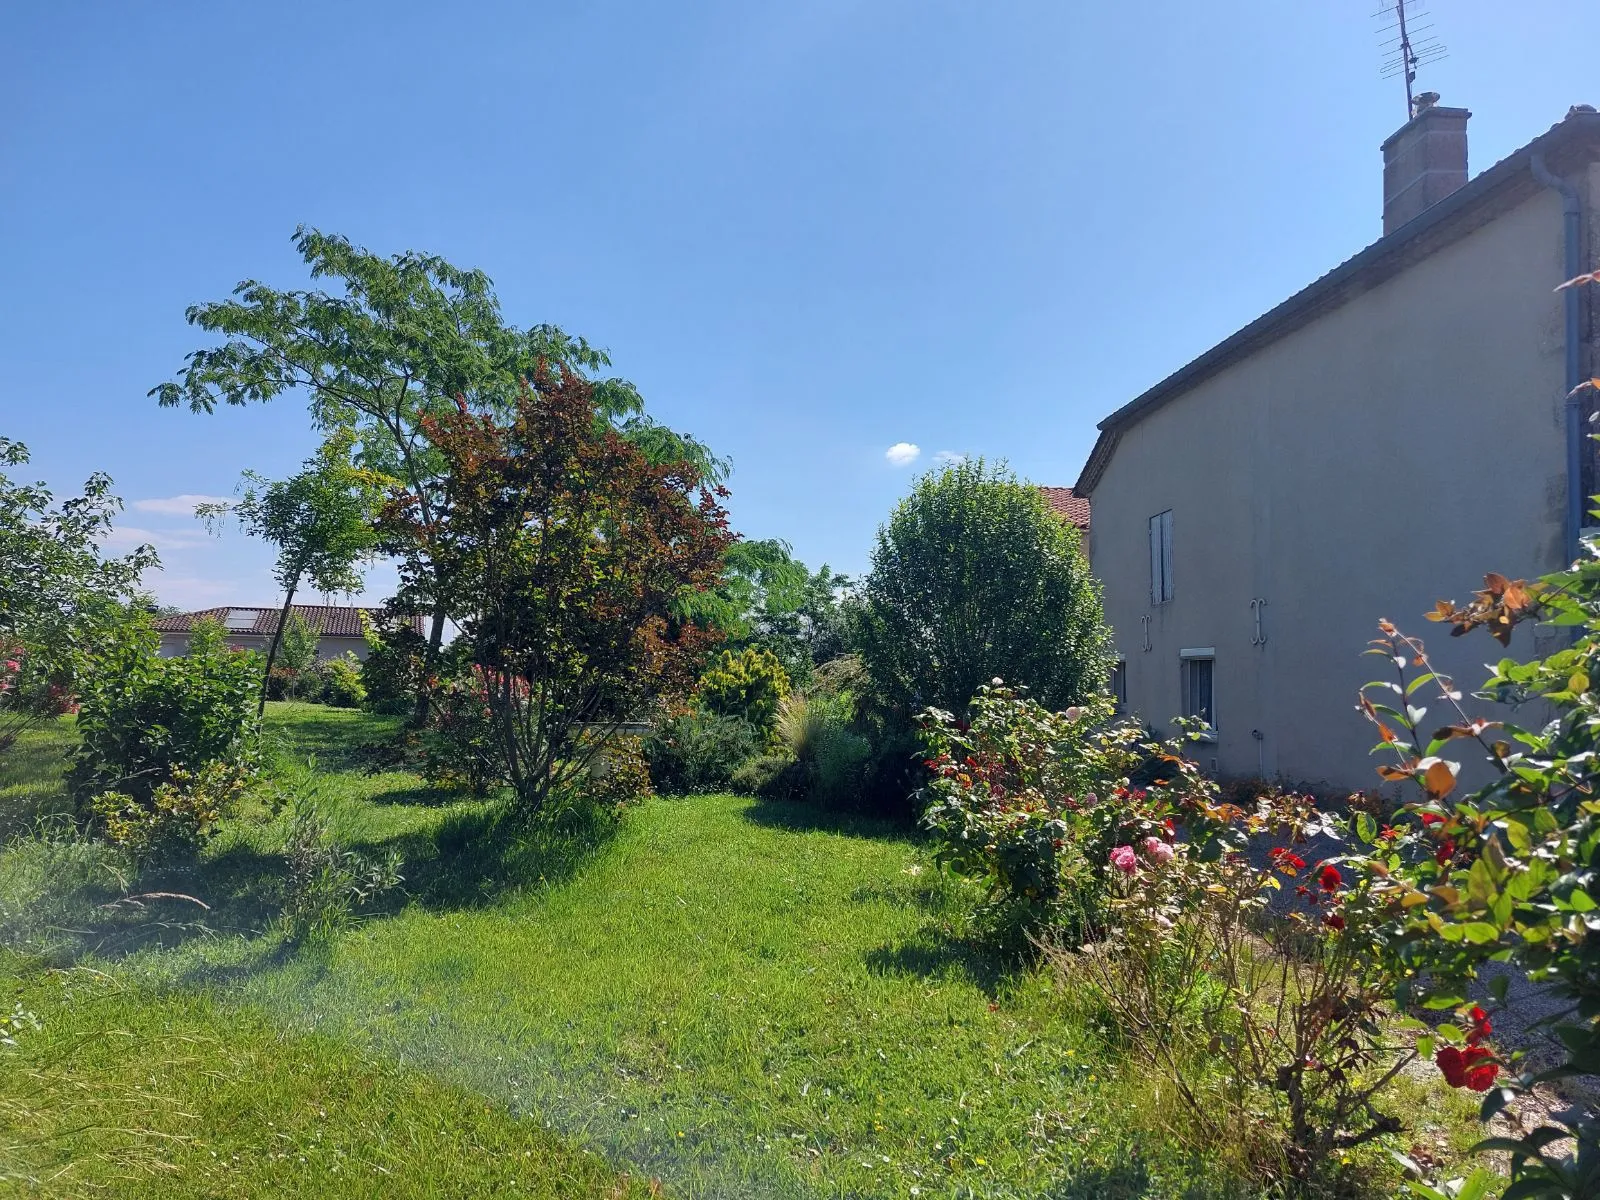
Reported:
(1423, 161)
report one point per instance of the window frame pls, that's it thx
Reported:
(1188, 658)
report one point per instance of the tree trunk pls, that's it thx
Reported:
(272, 646)
(419, 715)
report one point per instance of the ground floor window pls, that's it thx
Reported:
(1199, 671)
(1119, 683)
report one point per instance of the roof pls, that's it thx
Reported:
(330, 619)
(1569, 143)
(1068, 505)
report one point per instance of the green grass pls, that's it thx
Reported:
(130, 1094)
(737, 997)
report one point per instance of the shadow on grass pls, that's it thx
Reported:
(1127, 1181)
(796, 816)
(472, 858)
(932, 953)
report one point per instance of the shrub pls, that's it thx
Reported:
(392, 673)
(326, 885)
(341, 682)
(774, 776)
(749, 685)
(619, 776)
(697, 751)
(973, 576)
(459, 748)
(830, 759)
(179, 815)
(1015, 802)
(1270, 1025)
(143, 720)
(1510, 873)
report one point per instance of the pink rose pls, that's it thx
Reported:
(1124, 860)
(1157, 851)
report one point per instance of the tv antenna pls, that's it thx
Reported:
(1407, 44)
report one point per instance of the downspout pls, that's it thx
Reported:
(1572, 226)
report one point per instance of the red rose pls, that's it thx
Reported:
(1333, 921)
(1431, 818)
(1473, 1067)
(1445, 851)
(1329, 878)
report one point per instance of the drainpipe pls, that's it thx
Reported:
(1572, 225)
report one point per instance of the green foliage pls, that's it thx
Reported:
(696, 751)
(297, 646)
(398, 340)
(341, 682)
(1019, 799)
(326, 885)
(58, 593)
(830, 759)
(1508, 873)
(144, 720)
(395, 666)
(620, 777)
(972, 577)
(749, 685)
(570, 615)
(179, 815)
(460, 748)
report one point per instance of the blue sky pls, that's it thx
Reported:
(807, 231)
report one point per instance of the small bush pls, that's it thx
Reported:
(620, 776)
(392, 672)
(326, 885)
(459, 748)
(341, 682)
(144, 721)
(774, 776)
(179, 815)
(749, 685)
(698, 751)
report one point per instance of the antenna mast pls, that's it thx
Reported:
(1408, 45)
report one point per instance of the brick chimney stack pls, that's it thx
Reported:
(1423, 161)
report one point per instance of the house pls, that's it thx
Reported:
(1373, 444)
(253, 628)
(1070, 507)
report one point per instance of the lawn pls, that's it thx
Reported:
(737, 998)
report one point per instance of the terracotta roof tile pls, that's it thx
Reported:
(1068, 504)
(333, 620)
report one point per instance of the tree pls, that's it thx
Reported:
(567, 554)
(974, 578)
(404, 338)
(322, 522)
(58, 593)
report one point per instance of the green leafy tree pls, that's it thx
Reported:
(974, 578)
(567, 553)
(59, 594)
(400, 339)
(322, 522)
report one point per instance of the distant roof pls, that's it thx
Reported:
(1068, 505)
(1571, 142)
(332, 620)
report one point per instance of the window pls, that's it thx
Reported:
(1119, 683)
(1161, 557)
(1199, 673)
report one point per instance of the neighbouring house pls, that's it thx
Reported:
(1070, 507)
(253, 627)
(1375, 443)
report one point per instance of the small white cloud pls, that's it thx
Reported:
(175, 506)
(127, 537)
(949, 457)
(902, 454)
